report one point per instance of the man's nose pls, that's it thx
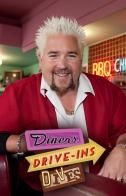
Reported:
(62, 61)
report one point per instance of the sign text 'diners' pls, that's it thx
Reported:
(53, 138)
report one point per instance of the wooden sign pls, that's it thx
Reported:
(61, 177)
(53, 138)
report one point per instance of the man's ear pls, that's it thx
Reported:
(39, 60)
(38, 56)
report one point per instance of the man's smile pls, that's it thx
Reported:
(62, 74)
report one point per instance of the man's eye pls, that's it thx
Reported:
(53, 55)
(72, 55)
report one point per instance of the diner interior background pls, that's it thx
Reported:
(105, 41)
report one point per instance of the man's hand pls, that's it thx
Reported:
(115, 165)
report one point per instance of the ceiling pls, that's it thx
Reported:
(105, 28)
(12, 12)
(15, 11)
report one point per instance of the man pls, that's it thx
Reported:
(63, 97)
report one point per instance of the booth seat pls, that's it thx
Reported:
(7, 174)
(94, 185)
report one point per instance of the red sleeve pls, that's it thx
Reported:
(9, 111)
(118, 118)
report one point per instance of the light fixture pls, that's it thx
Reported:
(14, 75)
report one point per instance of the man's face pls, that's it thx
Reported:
(61, 63)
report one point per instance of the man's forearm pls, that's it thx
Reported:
(11, 143)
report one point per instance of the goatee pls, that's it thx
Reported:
(62, 90)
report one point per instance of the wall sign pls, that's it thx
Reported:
(105, 68)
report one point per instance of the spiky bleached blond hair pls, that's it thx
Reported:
(57, 25)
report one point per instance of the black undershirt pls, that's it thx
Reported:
(3, 139)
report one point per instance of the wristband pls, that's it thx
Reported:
(18, 144)
(122, 145)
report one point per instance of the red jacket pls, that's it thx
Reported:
(22, 107)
